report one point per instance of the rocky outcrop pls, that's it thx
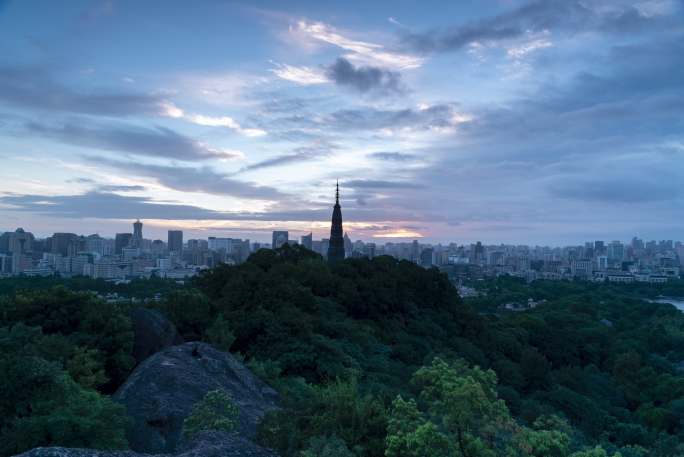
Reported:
(162, 390)
(205, 444)
(152, 333)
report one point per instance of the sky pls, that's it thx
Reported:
(531, 122)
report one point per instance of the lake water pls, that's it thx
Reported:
(678, 302)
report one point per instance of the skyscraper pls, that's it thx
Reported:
(280, 237)
(175, 242)
(307, 241)
(336, 246)
(121, 241)
(136, 242)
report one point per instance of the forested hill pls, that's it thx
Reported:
(346, 340)
(382, 358)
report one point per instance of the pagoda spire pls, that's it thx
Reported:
(336, 244)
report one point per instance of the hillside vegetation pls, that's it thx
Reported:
(371, 358)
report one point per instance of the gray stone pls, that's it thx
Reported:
(204, 444)
(153, 332)
(162, 390)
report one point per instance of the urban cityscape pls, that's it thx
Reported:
(131, 255)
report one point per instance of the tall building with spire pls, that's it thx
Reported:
(336, 246)
(137, 239)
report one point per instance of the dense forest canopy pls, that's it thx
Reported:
(372, 358)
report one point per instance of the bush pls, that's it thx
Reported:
(216, 411)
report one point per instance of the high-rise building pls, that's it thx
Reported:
(599, 247)
(121, 241)
(348, 246)
(427, 257)
(17, 242)
(60, 243)
(307, 241)
(280, 237)
(616, 251)
(336, 245)
(175, 242)
(136, 242)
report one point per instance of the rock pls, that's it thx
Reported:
(162, 390)
(153, 332)
(221, 444)
(204, 444)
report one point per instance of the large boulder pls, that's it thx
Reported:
(162, 390)
(204, 444)
(152, 333)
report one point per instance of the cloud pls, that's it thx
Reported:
(359, 51)
(119, 188)
(393, 156)
(191, 179)
(103, 205)
(35, 88)
(629, 188)
(434, 117)
(535, 16)
(151, 142)
(301, 75)
(302, 154)
(380, 184)
(173, 111)
(364, 78)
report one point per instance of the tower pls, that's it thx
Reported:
(137, 234)
(336, 246)
(175, 241)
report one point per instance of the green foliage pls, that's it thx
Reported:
(41, 405)
(216, 411)
(86, 367)
(190, 310)
(78, 319)
(409, 434)
(593, 354)
(220, 335)
(65, 414)
(598, 451)
(337, 408)
(593, 365)
(326, 446)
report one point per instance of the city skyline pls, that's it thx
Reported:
(523, 122)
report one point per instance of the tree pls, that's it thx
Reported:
(59, 412)
(220, 335)
(598, 451)
(216, 411)
(409, 434)
(465, 401)
(327, 446)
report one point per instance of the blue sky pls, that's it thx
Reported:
(540, 122)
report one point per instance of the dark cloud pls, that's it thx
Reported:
(361, 119)
(190, 179)
(153, 142)
(380, 184)
(102, 205)
(105, 206)
(611, 189)
(36, 88)
(301, 154)
(364, 78)
(534, 16)
(393, 156)
(636, 104)
(114, 188)
(81, 181)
